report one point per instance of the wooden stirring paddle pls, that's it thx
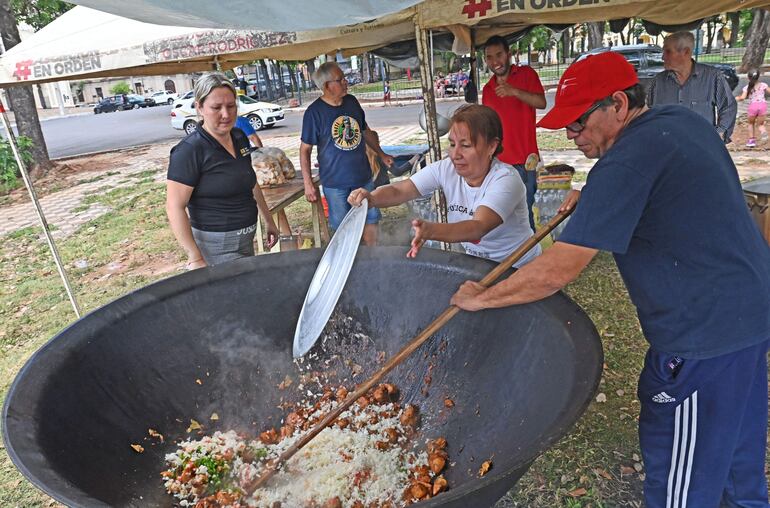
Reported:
(432, 328)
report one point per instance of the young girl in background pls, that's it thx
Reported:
(755, 93)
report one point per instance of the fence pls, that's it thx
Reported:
(551, 73)
(409, 88)
(400, 89)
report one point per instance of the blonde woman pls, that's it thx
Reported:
(212, 193)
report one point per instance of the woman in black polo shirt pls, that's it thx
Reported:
(210, 174)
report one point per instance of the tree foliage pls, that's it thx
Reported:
(38, 13)
(539, 37)
(120, 88)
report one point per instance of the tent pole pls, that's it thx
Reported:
(429, 105)
(38, 209)
(429, 99)
(432, 68)
(473, 71)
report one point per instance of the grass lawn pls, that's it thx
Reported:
(596, 465)
(415, 84)
(554, 140)
(546, 140)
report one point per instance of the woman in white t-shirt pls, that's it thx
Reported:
(486, 199)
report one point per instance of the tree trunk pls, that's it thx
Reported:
(310, 64)
(268, 81)
(756, 20)
(23, 101)
(370, 65)
(566, 46)
(760, 34)
(292, 79)
(595, 33)
(281, 85)
(735, 27)
(710, 32)
(364, 67)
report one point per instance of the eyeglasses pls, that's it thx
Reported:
(580, 124)
(338, 80)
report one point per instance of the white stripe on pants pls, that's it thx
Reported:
(685, 431)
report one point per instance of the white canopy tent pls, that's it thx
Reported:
(86, 43)
(286, 15)
(483, 14)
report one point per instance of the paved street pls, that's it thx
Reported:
(86, 133)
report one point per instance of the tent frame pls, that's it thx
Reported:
(38, 210)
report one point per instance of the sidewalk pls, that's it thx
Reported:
(49, 114)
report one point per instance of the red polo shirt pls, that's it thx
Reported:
(518, 118)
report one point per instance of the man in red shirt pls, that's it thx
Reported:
(514, 92)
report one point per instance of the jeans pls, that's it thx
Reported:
(530, 182)
(337, 199)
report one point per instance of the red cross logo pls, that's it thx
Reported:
(23, 70)
(479, 7)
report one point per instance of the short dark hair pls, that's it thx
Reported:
(481, 121)
(636, 96)
(497, 40)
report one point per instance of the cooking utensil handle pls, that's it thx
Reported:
(432, 328)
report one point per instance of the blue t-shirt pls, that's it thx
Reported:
(245, 126)
(666, 200)
(338, 134)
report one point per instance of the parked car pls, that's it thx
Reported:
(108, 105)
(353, 77)
(187, 95)
(137, 101)
(164, 97)
(121, 102)
(259, 114)
(647, 59)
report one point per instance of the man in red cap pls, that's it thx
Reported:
(665, 199)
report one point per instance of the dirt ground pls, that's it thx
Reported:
(71, 171)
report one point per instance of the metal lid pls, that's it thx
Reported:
(758, 186)
(329, 279)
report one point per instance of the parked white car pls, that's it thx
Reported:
(187, 95)
(259, 114)
(164, 97)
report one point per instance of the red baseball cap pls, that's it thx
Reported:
(585, 82)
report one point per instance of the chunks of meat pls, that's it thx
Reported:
(409, 416)
(269, 437)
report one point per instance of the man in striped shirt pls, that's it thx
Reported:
(701, 88)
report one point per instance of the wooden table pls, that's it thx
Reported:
(281, 196)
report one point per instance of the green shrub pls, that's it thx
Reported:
(9, 170)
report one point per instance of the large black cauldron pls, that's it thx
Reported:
(520, 377)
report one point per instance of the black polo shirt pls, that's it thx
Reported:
(222, 198)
